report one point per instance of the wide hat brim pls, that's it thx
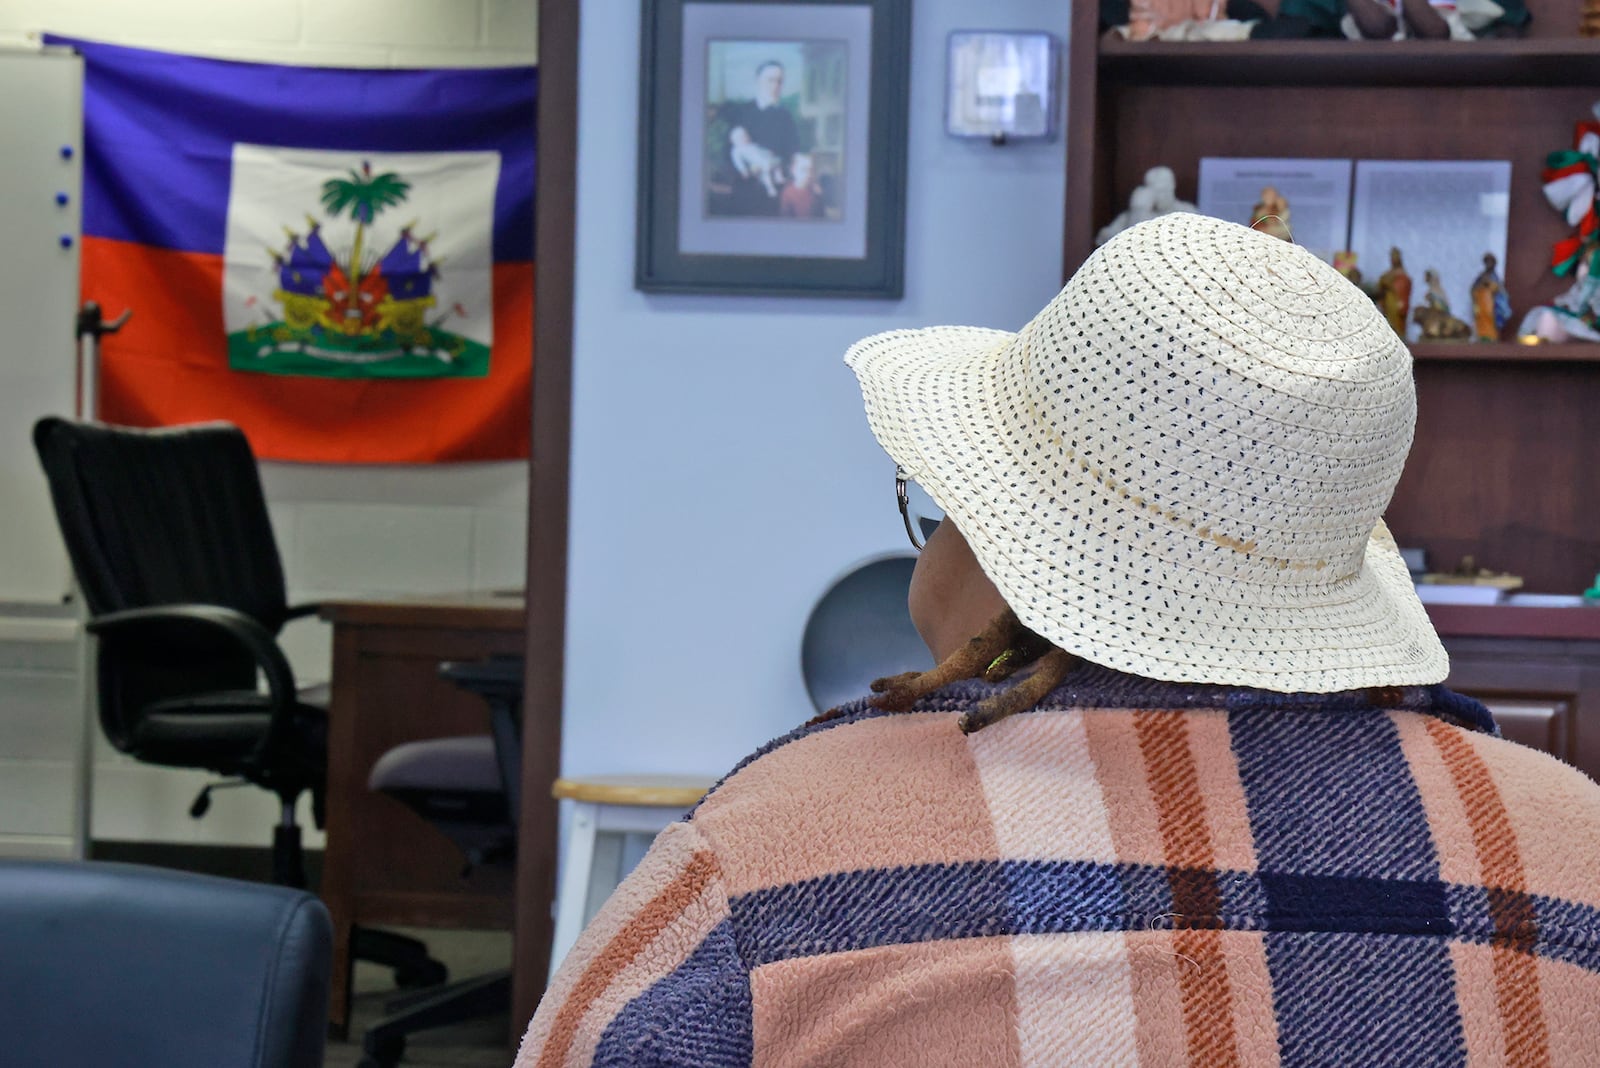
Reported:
(936, 402)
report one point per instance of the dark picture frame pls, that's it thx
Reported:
(772, 147)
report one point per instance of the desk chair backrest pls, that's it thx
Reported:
(164, 517)
(860, 630)
(117, 964)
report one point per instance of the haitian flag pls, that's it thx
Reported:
(340, 262)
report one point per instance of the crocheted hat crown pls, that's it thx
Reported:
(1178, 467)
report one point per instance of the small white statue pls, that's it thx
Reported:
(1157, 196)
(1165, 185)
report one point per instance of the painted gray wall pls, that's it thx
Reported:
(722, 472)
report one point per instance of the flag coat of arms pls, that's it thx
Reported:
(338, 261)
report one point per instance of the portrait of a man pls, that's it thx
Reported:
(774, 112)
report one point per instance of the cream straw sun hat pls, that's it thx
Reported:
(1178, 468)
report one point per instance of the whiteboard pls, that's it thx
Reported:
(41, 142)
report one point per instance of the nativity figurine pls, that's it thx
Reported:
(1433, 314)
(1491, 307)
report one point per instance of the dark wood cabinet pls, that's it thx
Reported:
(1538, 670)
(1503, 463)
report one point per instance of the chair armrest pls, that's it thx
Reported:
(246, 632)
(299, 611)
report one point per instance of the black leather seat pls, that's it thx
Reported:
(174, 552)
(117, 964)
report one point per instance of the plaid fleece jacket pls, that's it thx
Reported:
(1134, 873)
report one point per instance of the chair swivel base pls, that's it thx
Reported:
(413, 968)
(385, 1042)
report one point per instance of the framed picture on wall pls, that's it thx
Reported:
(772, 147)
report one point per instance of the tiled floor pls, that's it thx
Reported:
(484, 1043)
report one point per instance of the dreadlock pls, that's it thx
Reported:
(994, 654)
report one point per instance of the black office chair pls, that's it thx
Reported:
(174, 553)
(123, 964)
(470, 788)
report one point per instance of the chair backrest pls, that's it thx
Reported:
(860, 630)
(164, 517)
(112, 964)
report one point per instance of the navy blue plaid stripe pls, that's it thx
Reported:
(1331, 794)
(700, 1014)
(1336, 813)
(1561, 930)
(1355, 904)
(1364, 999)
(924, 903)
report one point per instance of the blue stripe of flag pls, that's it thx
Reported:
(1343, 842)
(159, 131)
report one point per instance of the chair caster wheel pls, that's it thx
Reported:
(382, 1052)
(423, 973)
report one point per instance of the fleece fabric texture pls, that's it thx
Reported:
(1133, 873)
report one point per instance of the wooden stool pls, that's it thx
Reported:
(606, 809)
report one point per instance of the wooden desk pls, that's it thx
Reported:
(383, 864)
(1538, 668)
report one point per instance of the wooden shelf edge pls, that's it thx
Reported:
(1506, 352)
(1486, 63)
(1515, 621)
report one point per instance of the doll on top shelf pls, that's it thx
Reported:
(1235, 20)
(1455, 20)
(1179, 20)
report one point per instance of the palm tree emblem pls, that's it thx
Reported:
(364, 194)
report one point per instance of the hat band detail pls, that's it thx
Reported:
(1168, 515)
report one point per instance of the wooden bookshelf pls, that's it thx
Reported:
(1504, 462)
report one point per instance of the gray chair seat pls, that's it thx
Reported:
(454, 784)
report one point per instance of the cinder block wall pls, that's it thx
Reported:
(342, 530)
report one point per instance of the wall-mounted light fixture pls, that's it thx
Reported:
(1001, 85)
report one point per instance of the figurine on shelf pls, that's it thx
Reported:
(1141, 208)
(1182, 20)
(1162, 182)
(1570, 181)
(1433, 315)
(1491, 308)
(1426, 19)
(1271, 214)
(1375, 20)
(1345, 263)
(1573, 316)
(1157, 196)
(1394, 293)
